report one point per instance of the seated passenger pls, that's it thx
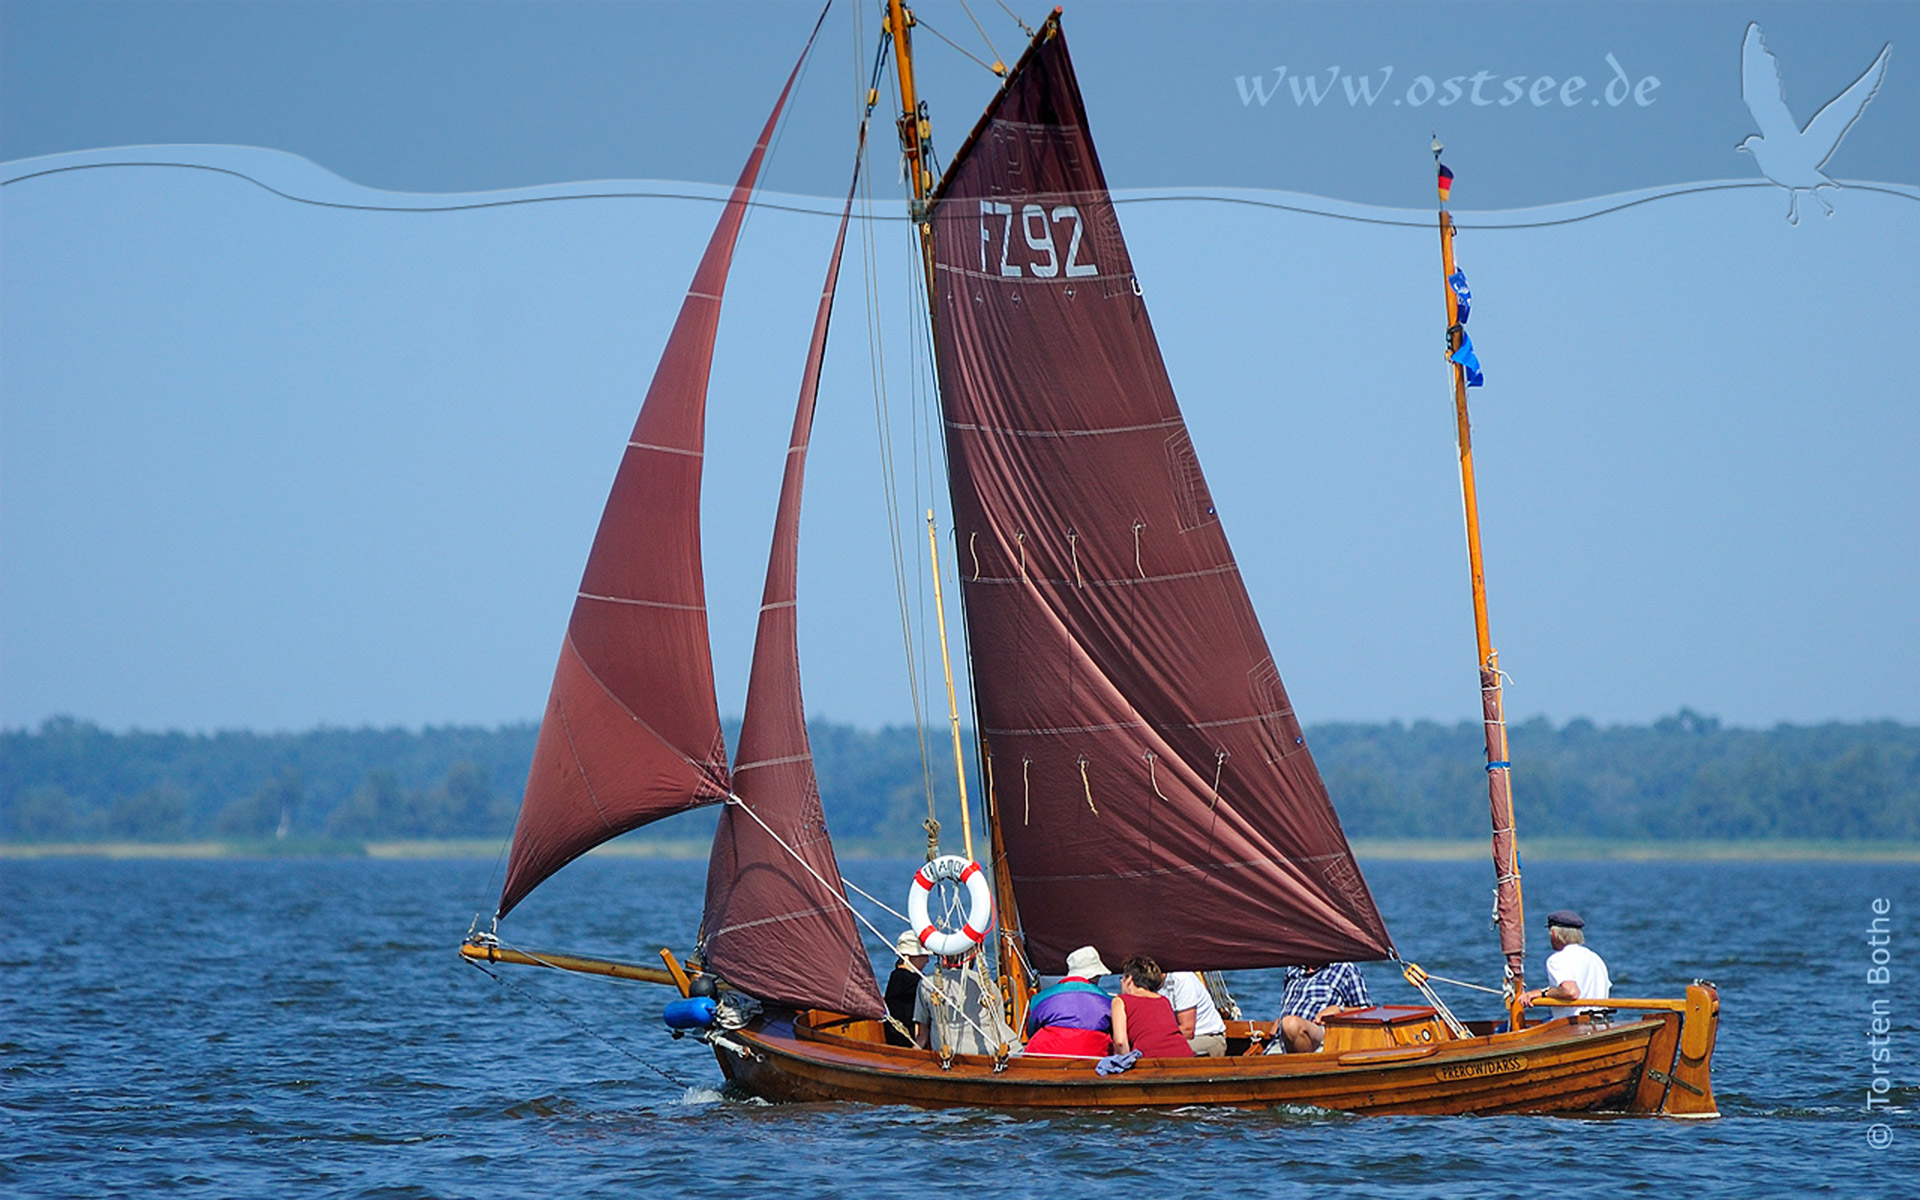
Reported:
(1073, 1018)
(1313, 994)
(1573, 971)
(958, 1009)
(903, 987)
(1199, 1017)
(1142, 1018)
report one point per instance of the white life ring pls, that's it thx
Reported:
(979, 906)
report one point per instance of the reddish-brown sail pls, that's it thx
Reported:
(777, 923)
(632, 729)
(1150, 780)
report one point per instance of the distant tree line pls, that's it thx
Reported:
(1682, 777)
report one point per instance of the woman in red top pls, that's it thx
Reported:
(1142, 1018)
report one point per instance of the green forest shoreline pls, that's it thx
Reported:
(1681, 786)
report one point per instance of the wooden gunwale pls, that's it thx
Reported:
(1559, 1066)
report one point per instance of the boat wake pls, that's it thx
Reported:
(700, 1097)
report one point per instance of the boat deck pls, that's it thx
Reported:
(1571, 1064)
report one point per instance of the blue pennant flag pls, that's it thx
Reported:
(1458, 282)
(1468, 359)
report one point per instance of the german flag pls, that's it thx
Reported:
(1446, 182)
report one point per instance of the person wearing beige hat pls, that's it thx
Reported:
(903, 986)
(1073, 1017)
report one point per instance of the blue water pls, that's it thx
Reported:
(304, 1028)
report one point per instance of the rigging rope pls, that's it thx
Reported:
(921, 23)
(1024, 27)
(1463, 983)
(1418, 978)
(988, 995)
(999, 63)
(744, 807)
(883, 422)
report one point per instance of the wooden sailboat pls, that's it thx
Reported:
(1147, 787)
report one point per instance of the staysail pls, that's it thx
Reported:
(631, 731)
(1147, 772)
(777, 923)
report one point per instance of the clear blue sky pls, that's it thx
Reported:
(269, 464)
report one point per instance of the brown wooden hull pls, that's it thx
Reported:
(1566, 1065)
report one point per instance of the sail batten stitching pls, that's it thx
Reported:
(816, 911)
(1029, 281)
(773, 604)
(666, 449)
(859, 916)
(1183, 869)
(1007, 431)
(639, 603)
(1221, 724)
(771, 762)
(1205, 572)
(1114, 726)
(1043, 731)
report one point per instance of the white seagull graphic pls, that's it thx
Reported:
(1787, 154)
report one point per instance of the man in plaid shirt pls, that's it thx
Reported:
(1312, 994)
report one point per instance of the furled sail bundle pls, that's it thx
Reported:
(631, 732)
(777, 923)
(1150, 780)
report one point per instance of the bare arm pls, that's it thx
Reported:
(1184, 1019)
(1119, 1027)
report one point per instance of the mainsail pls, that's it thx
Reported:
(777, 923)
(631, 731)
(1148, 775)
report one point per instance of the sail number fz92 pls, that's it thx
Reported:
(1037, 225)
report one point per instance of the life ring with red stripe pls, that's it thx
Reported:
(967, 873)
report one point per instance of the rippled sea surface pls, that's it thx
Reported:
(304, 1028)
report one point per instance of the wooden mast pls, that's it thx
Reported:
(916, 136)
(916, 133)
(1509, 910)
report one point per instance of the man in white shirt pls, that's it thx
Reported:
(1573, 971)
(1196, 1013)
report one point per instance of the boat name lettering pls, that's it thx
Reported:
(1485, 1066)
(1036, 229)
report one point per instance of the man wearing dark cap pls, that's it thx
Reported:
(1573, 971)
